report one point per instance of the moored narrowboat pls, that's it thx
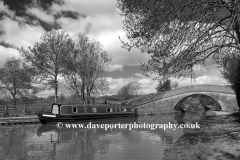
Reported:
(71, 113)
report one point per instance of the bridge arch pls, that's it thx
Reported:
(166, 101)
(209, 102)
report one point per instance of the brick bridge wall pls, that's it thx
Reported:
(165, 102)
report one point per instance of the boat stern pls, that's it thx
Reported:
(49, 116)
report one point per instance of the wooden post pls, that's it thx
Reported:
(85, 109)
(24, 110)
(6, 108)
(42, 109)
(6, 114)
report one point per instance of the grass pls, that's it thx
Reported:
(198, 151)
(218, 138)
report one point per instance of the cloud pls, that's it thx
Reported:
(40, 14)
(214, 80)
(72, 14)
(62, 89)
(6, 45)
(114, 67)
(147, 85)
(106, 7)
(106, 27)
(123, 71)
(35, 13)
(103, 13)
(208, 68)
(5, 9)
(73, 26)
(112, 44)
(6, 53)
(204, 79)
(18, 34)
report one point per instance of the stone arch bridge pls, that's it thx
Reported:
(169, 101)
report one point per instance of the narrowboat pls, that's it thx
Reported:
(71, 113)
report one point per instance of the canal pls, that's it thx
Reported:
(40, 142)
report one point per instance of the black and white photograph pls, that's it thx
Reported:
(119, 80)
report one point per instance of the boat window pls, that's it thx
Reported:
(74, 109)
(55, 109)
(94, 109)
(123, 109)
(109, 109)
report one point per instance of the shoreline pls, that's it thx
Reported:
(221, 113)
(34, 118)
(7, 121)
(218, 138)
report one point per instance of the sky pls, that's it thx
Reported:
(22, 22)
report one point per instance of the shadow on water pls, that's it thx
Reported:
(189, 117)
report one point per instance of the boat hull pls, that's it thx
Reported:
(84, 117)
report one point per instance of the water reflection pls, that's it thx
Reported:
(188, 117)
(31, 142)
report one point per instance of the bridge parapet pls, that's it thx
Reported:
(196, 88)
(182, 90)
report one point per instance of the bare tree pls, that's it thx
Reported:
(179, 34)
(16, 79)
(101, 87)
(85, 67)
(127, 91)
(48, 55)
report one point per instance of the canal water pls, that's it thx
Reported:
(46, 142)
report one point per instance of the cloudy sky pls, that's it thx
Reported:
(22, 22)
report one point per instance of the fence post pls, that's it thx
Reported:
(6, 114)
(24, 110)
(42, 109)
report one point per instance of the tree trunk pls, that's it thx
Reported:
(88, 95)
(14, 100)
(83, 94)
(56, 90)
(237, 85)
(237, 91)
(88, 98)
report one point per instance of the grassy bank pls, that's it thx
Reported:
(217, 139)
